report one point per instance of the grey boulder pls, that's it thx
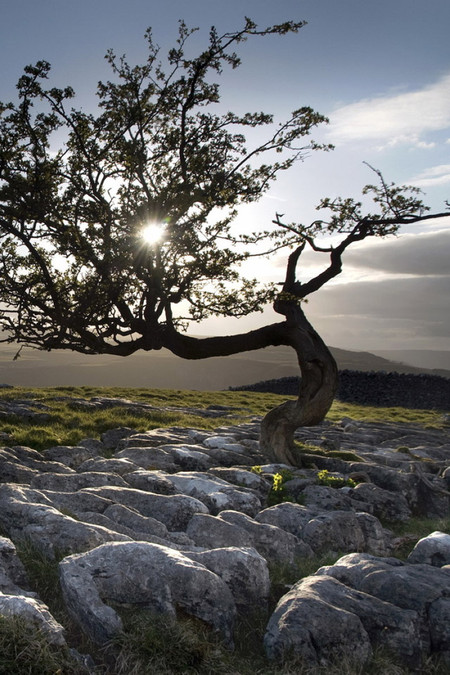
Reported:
(48, 529)
(422, 588)
(216, 493)
(322, 618)
(432, 550)
(304, 624)
(244, 571)
(147, 575)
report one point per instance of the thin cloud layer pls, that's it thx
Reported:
(367, 315)
(396, 119)
(425, 254)
(435, 175)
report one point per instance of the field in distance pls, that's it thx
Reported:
(163, 370)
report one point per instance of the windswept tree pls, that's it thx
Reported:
(81, 193)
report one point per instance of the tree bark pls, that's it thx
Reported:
(318, 385)
(319, 376)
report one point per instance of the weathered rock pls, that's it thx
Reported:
(217, 494)
(148, 457)
(112, 437)
(158, 437)
(323, 498)
(244, 571)
(305, 610)
(70, 456)
(389, 479)
(446, 476)
(150, 481)
(140, 497)
(418, 587)
(135, 522)
(213, 532)
(335, 531)
(13, 578)
(75, 503)
(48, 529)
(423, 496)
(432, 550)
(147, 575)
(93, 444)
(13, 472)
(93, 518)
(75, 481)
(305, 624)
(175, 511)
(384, 504)
(271, 542)
(25, 410)
(35, 612)
(243, 478)
(433, 500)
(377, 540)
(290, 517)
(190, 457)
(439, 622)
(229, 458)
(113, 465)
(224, 443)
(20, 463)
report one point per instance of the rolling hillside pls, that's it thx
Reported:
(163, 370)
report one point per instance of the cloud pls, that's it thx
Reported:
(423, 254)
(436, 175)
(394, 119)
(412, 312)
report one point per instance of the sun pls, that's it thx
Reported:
(152, 233)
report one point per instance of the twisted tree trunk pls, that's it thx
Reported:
(319, 375)
(318, 385)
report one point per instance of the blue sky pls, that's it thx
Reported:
(379, 70)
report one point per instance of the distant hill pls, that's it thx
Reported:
(163, 370)
(397, 363)
(433, 359)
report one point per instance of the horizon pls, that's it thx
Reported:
(163, 370)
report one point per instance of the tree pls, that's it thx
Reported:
(76, 272)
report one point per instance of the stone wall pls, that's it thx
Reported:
(429, 392)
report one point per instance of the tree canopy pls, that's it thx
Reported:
(81, 193)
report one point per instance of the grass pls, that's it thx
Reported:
(365, 413)
(414, 529)
(67, 425)
(24, 649)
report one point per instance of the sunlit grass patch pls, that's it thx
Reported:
(366, 413)
(68, 424)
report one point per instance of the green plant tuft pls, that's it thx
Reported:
(158, 643)
(325, 478)
(25, 649)
(346, 455)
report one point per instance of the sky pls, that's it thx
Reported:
(379, 70)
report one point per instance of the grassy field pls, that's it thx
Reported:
(68, 424)
(142, 649)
